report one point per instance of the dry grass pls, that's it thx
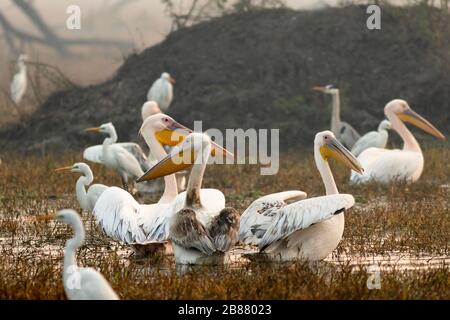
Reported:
(399, 220)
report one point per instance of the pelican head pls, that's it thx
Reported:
(184, 156)
(104, 128)
(166, 129)
(330, 147)
(166, 76)
(385, 125)
(328, 89)
(403, 111)
(79, 167)
(149, 108)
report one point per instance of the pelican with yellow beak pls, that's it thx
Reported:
(384, 165)
(124, 219)
(201, 229)
(308, 229)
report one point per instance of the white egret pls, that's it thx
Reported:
(87, 199)
(119, 157)
(308, 229)
(123, 218)
(343, 131)
(80, 283)
(200, 234)
(375, 139)
(384, 165)
(161, 91)
(19, 81)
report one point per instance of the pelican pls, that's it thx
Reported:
(344, 132)
(384, 165)
(87, 199)
(19, 81)
(149, 108)
(161, 91)
(308, 229)
(80, 283)
(199, 234)
(127, 159)
(375, 139)
(123, 218)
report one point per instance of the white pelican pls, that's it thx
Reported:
(383, 165)
(375, 139)
(200, 234)
(87, 199)
(19, 81)
(127, 159)
(308, 229)
(161, 91)
(123, 218)
(343, 131)
(148, 109)
(80, 283)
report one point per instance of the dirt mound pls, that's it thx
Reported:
(256, 70)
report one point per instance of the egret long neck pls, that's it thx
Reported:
(170, 182)
(409, 142)
(72, 245)
(325, 172)
(196, 178)
(81, 185)
(336, 112)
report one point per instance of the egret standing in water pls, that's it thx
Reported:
(87, 199)
(127, 159)
(19, 81)
(161, 91)
(373, 139)
(343, 131)
(385, 165)
(80, 283)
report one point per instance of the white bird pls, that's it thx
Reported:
(127, 159)
(343, 131)
(123, 218)
(87, 199)
(19, 81)
(80, 283)
(200, 234)
(148, 109)
(161, 91)
(375, 139)
(308, 229)
(384, 165)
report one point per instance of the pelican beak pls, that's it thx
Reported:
(176, 133)
(44, 218)
(318, 88)
(172, 80)
(334, 149)
(179, 159)
(63, 169)
(415, 119)
(97, 129)
(173, 135)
